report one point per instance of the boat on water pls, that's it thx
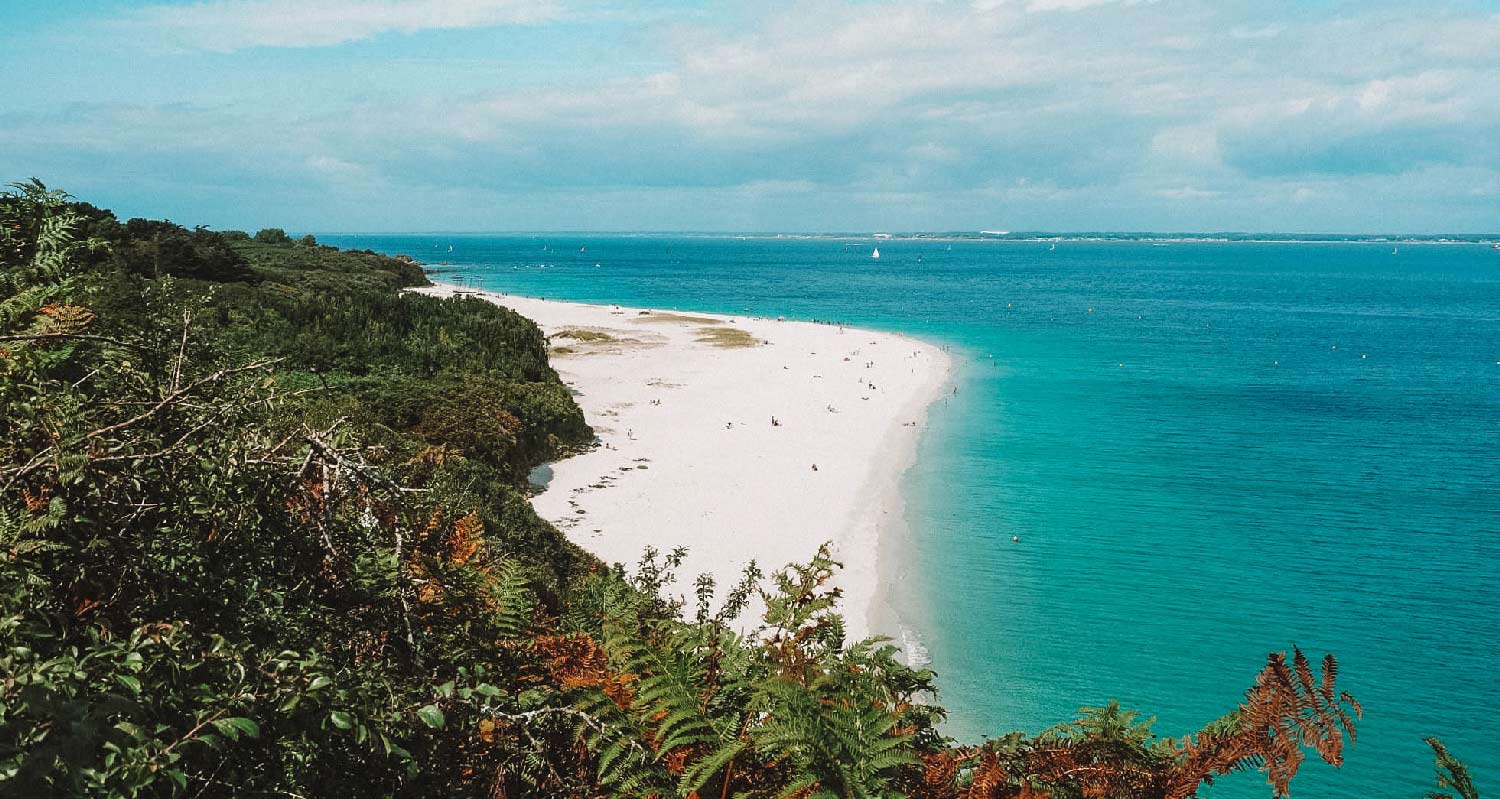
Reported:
(876, 254)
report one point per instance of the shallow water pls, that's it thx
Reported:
(1209, 451)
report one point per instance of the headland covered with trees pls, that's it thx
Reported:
(264, 531)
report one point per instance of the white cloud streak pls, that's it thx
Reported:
(229, 25)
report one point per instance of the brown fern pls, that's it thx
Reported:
(1285, 711)
(467, 538)
(577, 661)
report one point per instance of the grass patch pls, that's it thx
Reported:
(726, 337)
(581, 334)
(677, 317)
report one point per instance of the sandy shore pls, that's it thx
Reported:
(682, 404)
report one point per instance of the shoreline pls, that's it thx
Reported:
(682, 403)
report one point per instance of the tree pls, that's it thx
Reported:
(272, 235)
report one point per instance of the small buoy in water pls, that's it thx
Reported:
(1363, 355)
(1091, 310)
(1015, 539)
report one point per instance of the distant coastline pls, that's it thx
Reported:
(1147, 237)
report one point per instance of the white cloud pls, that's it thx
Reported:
(228, 25)
(339, 171)
(937, 108)
(1187, 193)
(1255, 32)
(1078, 5)
(1189, 144)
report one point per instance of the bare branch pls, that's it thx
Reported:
(178, 394)
(181, 350)
(82, 336)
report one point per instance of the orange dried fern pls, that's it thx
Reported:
(467, 539)
(1285, 711)
(577, 661)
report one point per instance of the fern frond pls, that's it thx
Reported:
(1451, 773)
(512, 600)
(706, 768)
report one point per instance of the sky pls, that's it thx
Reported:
(494, 115)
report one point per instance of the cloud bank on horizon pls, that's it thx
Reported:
(1166, 115)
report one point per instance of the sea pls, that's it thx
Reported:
(1209, 451)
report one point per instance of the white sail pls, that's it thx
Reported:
(875, 254)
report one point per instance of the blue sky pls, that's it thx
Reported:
(369, 115)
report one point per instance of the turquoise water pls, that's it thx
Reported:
(1240, 448)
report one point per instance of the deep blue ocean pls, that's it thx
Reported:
(1209, 451)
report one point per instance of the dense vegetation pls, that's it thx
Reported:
(263, 532)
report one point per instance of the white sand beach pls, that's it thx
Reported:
(683, 404)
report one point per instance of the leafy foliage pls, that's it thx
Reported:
(222, 571)
(786, 710)
(39, 242)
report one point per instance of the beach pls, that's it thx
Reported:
(688, 454)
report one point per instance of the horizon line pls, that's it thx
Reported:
(967, 235)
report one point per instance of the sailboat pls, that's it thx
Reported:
(876, 254)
